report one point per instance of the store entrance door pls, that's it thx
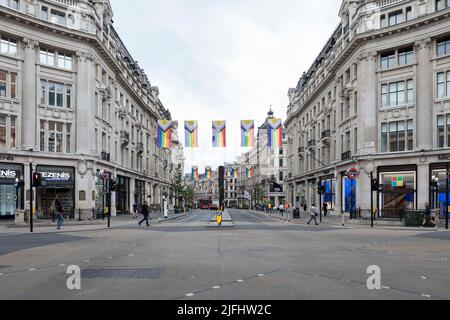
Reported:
(7, 201)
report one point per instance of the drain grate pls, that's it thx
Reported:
(149, 273)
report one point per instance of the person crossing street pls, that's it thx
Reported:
(145, 212)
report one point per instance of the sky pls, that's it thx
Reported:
(224, 59)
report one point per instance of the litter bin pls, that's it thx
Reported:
(296, 214)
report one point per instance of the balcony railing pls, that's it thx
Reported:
(106, 156)
(301, 150)
(346, 156)
(325, 134)
(140, 148)
(311, 143)
(124, 137)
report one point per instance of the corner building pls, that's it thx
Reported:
(376, 99)
(74, 103)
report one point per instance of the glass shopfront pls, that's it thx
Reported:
(58, 184)
(399, 191)
(439, 186)
(11, 189)
(329, 198)
(123, 195)
(349, 187)
(139, 193)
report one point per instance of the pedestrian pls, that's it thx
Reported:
(313, 214)
(325, 209)
(427, 216)
(145, 212)
(305, 207)
(59, 214)
(135, 211)
(439, 211)
(281, 208)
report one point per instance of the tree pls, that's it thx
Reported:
(177, 185)
(259, 193)
(189, 196)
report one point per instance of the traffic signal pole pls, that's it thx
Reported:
(31, 198)
(371, 199)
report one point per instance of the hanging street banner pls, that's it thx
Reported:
(165, 134)
(275, 133)
(247, 133)
(249, 172)
(219, 134)
(191, 134)
(208, 173)
(195, 174)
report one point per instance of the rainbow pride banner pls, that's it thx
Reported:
(235, 173)
(208, 173)
(219, 134)
(165, 134)
(249, 172)
(247, 133)
(275, 133)
(195, 174)
(191, 134)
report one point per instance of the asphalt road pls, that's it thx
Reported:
(257, 259)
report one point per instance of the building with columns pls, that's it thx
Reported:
(74, 104)
(376, 99)
(268, 165)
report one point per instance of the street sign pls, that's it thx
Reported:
(352, 173)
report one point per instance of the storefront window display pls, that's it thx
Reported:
(11, 189)
(349, 187)
(139, 193)
(439, 186)
(123, 195)
(399, 193)
(329, 198)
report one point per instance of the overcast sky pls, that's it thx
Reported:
(224, 59)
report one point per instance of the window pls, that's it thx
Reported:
(13, 4)
(388, 60)
(443, 47)
(397, 136)
(44, 13)
(8, 46)
(56, 94)
(8, 84)
(409, 15)
(396, 18)
(383, 22)
(47, 57)
(64, 61)
(442, 4)
(443, 132)
(58, 17)
(405, 56)
(55, 137)
(397, 93)
(8, 125)
(443, 84)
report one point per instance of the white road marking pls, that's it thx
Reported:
(240, 280)
(189, 295)
(216, 287)
(386, 288)
(131, 255)
(424, 278)
(426, 295)
(32, 269)
(260, 275)
(62, 265)
(110, 258)
(86, 261)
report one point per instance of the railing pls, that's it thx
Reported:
(140, 147)
(312, 143)
(346, 156)
(326, 134)
(301, 150)
(71, 3)
(124, 137)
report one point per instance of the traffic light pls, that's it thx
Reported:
(113, 185)
(375, 185)
(37, 179)
(321, 189)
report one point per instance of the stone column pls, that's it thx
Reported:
(424, 94)
(85, 104)
(29, 98)
(338, 193)
(367, 103)
(423, 186)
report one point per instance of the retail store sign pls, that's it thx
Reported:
(444, 157)
(398, 181)
(56, 176)
(8, 174)
(6, 157)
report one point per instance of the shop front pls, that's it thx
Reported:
(123, 195)
(329, 198)
(440, 188)
(399, 192)
(58, 184)
(11, 189)
(139, 193)
(349, 189)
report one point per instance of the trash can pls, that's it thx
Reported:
(296, 214)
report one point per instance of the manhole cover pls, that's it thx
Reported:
(152, 273)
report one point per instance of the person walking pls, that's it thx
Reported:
(59, 214)
(145, 212)
(135, 211)
(313, 214)
(325, 209)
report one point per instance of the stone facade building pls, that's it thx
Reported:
(74, 103)
(377, 99)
